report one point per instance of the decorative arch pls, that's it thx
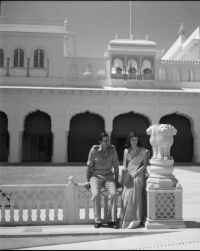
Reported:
(183, 148)
(33, 50)
(149, 61)
(162, 74)
(1, 57)
(101, 71)
(19, 57)
(117, 66)
(4, 137)
(87, 71)
(37, 142)
(176, 74)
(83, 134)
(73, 71)
(189, 75)
(38, 59)
(125, 123)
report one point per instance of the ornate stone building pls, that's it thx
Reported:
(54, 104)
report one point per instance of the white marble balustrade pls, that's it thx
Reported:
(22, 205)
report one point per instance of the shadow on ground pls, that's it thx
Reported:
(192, 224)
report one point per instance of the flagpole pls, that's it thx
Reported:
(130, 19)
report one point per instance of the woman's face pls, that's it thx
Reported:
(134, 141)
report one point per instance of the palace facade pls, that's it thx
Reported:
(54, 104)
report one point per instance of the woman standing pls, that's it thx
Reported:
(133, 177)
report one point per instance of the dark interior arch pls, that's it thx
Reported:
(4, 137)
(37, 143)
(126, 123)
(183, 148)
(84, 133)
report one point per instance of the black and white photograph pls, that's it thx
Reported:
(99, 125)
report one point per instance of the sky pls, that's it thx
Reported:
(95, 23)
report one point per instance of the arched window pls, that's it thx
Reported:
(38, 58)
(176, 75)
(87, 72)
(147, 74)
(162, 74)
(1, 58)
(73, 71)
(18, 58)
(189, 75)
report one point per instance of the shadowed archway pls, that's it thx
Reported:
(37, 143)
(4, 137)
(125, 123)
(84, 133)
(183, 148)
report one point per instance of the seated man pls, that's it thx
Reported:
(99, 174)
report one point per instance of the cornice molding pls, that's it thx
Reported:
(98, 92)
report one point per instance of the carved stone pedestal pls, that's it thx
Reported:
(164, 197)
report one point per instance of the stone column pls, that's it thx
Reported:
(20, 147)
(66, 146)
(28, 67)
(47, 67)
(164, 192)
(14, 146)
(59, 151)
(195, 156)
(8, 67)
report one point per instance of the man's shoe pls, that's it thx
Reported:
(97, 225)
(113, 225)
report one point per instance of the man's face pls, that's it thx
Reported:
(105, 142)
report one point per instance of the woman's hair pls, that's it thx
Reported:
(102, 135)
(131, 135)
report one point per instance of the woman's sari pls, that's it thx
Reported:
(133, 183)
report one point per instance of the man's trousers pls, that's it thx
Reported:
(96, 183)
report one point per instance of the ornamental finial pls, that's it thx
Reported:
(116, 36)
(147, 37)
(182, 30)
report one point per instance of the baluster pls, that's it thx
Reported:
(47, 211)
(20, 211)
(105, 207)
(56, 211)
(12, 211)
(29, 212)
(3, 212)
(77, 207)
(38, 219)
(87, 209)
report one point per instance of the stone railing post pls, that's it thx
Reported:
(71, 200)
(164, 192)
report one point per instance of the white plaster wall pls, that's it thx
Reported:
(62, 107)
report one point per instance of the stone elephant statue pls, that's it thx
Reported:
(161, 139)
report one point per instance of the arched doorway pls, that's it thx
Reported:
(4, 137)
(183, 148)
(84, 133)
(126, 123)
(37, 144)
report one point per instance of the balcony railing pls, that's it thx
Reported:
(22, 205)
(134, 77)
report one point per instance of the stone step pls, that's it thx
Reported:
(27, 237)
